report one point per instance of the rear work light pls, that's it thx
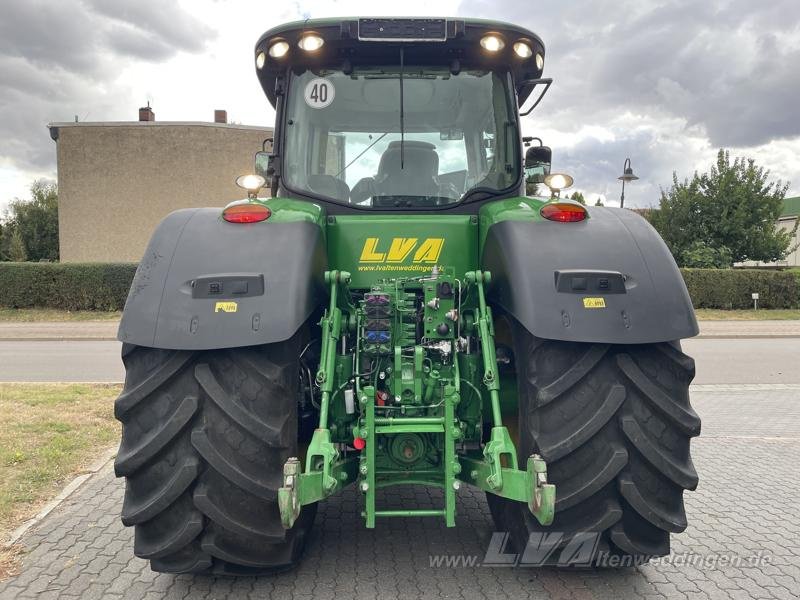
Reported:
(565, 212)
(246, 212)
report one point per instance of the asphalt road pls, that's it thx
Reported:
(723, 361)
(61, 361)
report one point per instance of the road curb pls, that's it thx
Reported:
(58, 339)
(64, 494)
(743, 387)
(707, 336)
(744, 336)
(105, 383)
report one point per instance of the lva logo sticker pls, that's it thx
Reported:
(400, 250)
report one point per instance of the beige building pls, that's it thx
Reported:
(787, 221)
(116, 181)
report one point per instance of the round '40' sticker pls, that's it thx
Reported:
(319, 93)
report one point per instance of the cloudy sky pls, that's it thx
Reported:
(663, 82)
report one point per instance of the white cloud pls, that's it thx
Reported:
(662, 83)
(665, 83)
(100, 62)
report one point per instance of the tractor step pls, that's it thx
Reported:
(408, 513)
(446, 480)
(389, 429)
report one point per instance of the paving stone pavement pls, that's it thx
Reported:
(746, 507)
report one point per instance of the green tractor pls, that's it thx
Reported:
(398, 312)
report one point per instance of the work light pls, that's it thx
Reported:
(492, 43)
(251, 183)
(523, 49)
(278, 49)
(558, 181)
(310, 42)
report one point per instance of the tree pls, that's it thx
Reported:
(724, 216)
(578, 197)
(5, 240)
(599, 202)
(31, 227)
(16, 247)
(702, 256)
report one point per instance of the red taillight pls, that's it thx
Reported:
(565, 212)
(246, 213)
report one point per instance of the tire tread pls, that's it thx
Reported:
(614, 424)
(205, 437)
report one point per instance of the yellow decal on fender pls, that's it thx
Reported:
(594, 303)
(226, 307)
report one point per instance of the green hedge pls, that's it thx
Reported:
(70, 286)
(733, 288)
(99, 286)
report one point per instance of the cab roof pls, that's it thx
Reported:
(377, 41)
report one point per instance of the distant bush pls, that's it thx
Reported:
(733, 288)
(70, 286)
(102, 286)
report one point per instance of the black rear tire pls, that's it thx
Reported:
(204, 439)
(614, 424)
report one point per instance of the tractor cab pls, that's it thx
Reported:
(397, 114)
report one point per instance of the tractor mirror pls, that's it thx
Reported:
(451, 133)
(262, 165)
(537, 163)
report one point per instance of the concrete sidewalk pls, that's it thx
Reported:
(107, 330)
(59, 331)
(749, 329)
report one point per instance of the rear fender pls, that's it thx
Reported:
(205, 283)
(607, 279)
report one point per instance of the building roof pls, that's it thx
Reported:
(791, 207)
(157, 124)
(56, 127)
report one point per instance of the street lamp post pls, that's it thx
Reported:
(627, 175)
